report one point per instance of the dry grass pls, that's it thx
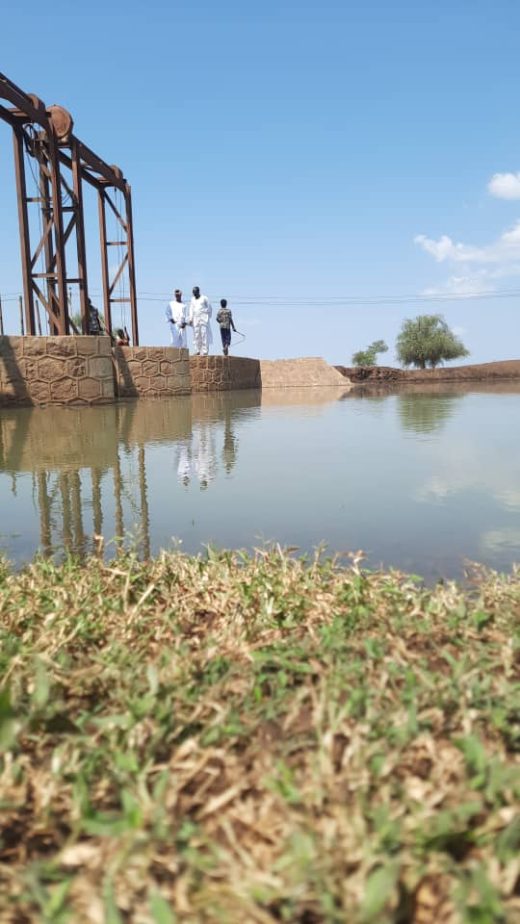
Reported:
(257, 740)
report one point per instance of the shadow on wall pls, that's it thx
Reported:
(55, 370)
(13, 387)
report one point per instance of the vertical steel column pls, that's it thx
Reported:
(23, 219)
(59, 243)
(131, 264)
(104, 260)
(20, 302)
(80, 235)
(48, 248)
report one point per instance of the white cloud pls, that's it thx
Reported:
(502, 251)
(446, 249)
(477, 267)
(468, 285)
(505, 185)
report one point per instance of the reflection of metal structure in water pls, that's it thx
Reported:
(89, 467)
(62, 503)
(61, 164)
(66, 493)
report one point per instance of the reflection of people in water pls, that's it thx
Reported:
(204, 454)
(184, 462)
(196, 456)
(229, 449)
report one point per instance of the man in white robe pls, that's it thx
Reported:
(199, 317)
(177, 320)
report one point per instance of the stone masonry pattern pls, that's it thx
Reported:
(224, 373)
(151, 372)
(56, 370)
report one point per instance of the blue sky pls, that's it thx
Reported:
(305, 160)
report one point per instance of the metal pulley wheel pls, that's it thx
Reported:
(61, 121)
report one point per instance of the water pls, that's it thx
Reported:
(421, 479)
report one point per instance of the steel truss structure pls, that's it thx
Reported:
(62, 165)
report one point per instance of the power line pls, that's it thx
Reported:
(282, 301)
(348, 300)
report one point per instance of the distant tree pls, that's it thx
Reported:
(368, 357)
(427, 341)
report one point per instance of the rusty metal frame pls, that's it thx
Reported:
(35, 134)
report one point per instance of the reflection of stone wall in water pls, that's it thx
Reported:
(86, 439)
(36, 439)
(89, 465)
(56, 370)
(220, 405)
(151, 421)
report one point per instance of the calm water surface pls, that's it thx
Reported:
(421, 479)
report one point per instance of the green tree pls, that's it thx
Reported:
(427, 341)
(368, 357)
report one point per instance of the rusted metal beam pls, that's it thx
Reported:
(131, 265)
(23, 221)
(104, 260)
(7, 116)
(112, 175)
(51, 303)
(61, 272)
(23, 102)
(80, 237)
(47, 135)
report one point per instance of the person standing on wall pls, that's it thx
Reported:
(225, 320)
(199, 317)
(95, 327)
(176, 318)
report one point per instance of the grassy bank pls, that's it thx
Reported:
(257, 740)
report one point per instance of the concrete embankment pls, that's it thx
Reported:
(387, 375)
(76, 371)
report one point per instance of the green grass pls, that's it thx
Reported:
(234, 739)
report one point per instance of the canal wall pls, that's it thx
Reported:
(300, 373)
(151, 372)
(224, 373)
(56, 370)
(76, 371)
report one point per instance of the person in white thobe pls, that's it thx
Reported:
(199, 317)
(177, 320)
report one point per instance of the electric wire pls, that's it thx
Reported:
(334, 301)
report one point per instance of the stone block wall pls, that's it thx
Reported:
(224, 373)
(55, 370)
(151, 372)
